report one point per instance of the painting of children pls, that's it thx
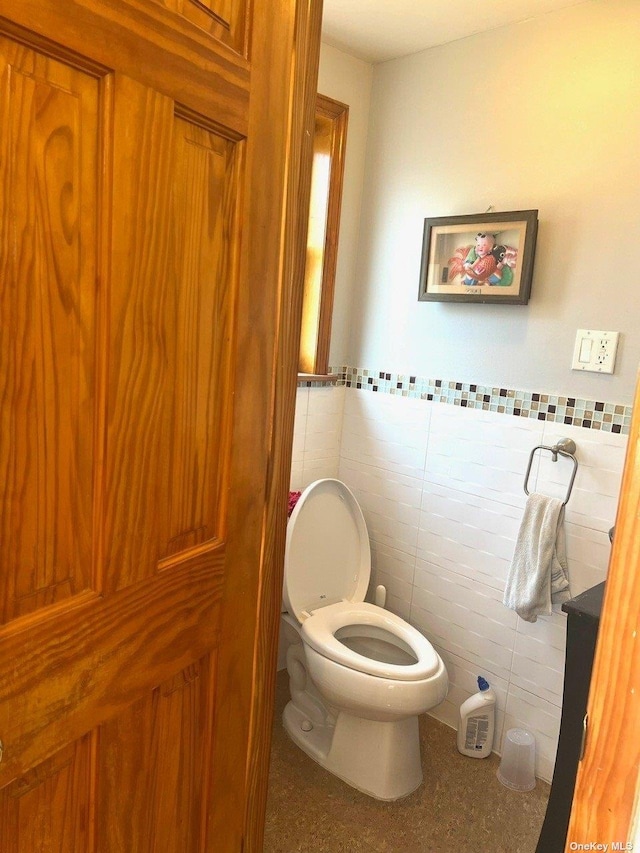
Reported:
(485, 258)
(485, 262)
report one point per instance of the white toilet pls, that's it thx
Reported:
(359, 675)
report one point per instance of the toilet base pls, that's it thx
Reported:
(381, 759)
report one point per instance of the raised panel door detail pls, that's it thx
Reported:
(48, 197)
(90, 662)
(50, 802)
(169, 400)
(223, 19)
(204, 185)
(156, 750)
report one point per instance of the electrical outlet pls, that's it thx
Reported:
(595, 351)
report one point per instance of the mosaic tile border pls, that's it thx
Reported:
(590, 414)
(322, 383)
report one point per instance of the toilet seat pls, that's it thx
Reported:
(320, 628)
(326, 575)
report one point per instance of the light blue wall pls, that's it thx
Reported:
(543, 114)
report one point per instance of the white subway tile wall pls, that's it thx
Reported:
(441, 488)
(316, 434)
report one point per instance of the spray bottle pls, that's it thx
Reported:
(476, 722)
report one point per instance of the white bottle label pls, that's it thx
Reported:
(477, 732)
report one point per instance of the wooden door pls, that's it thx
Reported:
(606, 804)
(149, 154)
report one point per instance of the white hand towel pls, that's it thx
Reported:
(538, 575)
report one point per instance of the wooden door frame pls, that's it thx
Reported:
(283, 396)
(606, 804)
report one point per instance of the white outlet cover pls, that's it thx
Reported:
(595, 351)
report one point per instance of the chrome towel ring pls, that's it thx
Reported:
(564, 447)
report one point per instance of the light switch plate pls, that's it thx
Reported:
(595, 351)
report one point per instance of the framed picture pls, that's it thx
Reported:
(483, 258)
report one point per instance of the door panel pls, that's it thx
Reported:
(145, 153)
(53, 800)
(224, 19)
(48, 171)
(169, 382)
(149, 750)
(148, 42)
(205, 190)
(78, 665)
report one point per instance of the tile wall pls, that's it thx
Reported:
(441, 487)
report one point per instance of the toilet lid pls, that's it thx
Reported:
(327, 557)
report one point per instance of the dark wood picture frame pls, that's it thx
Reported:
(484, 257)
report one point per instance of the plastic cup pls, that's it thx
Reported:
(517, 768)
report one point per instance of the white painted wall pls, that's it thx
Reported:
(347, 79)
(543, 114)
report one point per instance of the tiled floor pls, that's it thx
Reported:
(460, 808)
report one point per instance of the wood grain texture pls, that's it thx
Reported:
(152, 759)
(162, 307)
(52, 800)
(305, 82)
(142, 344)
(205, 188)
(169, 380)
(48, 124)
(145, 41)
(101, 655)
(246, 672)
(607, 784)
(226, 20)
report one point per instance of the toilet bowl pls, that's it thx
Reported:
(359, 675)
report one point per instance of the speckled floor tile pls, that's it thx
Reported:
(460, 808)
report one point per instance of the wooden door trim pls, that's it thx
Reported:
(283, 394)
(338, 114)
(208, 80)
(607, 794)
(285, 39)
